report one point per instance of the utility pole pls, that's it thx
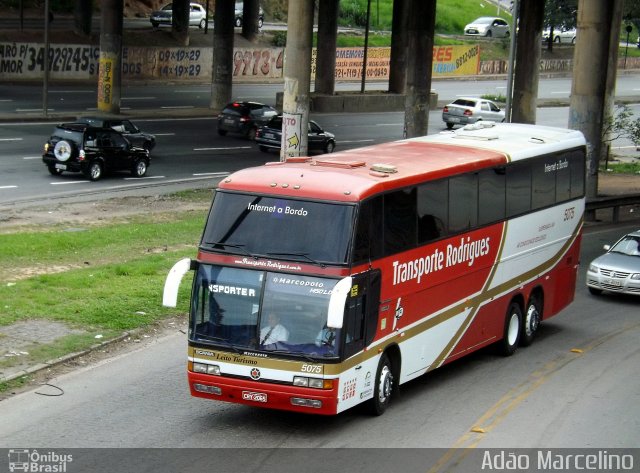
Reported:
(109, 77)
(297, 79)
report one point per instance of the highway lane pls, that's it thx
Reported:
(26, 99)
(190, 152)
(576, 386)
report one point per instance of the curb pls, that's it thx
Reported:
(63, 359)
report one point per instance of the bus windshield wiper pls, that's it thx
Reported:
(289, 352)
(230, 245)
(221, 340)
(300, 255)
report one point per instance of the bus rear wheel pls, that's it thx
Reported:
(532, 318)
(512, 329)
(383, 387)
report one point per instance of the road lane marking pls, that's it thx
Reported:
(222, 149)
(514, 397)
(355, 141)
(10, 139)
(214, 174)
(142, 178)
(32, 157)
(8, 187)
(68, 182)
(177, 107)
(33, 109)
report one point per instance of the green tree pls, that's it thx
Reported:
(559, 14)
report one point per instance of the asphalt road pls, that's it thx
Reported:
(575, 387)
(189, 152)
(25, 100)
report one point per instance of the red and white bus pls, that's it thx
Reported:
(380, 264)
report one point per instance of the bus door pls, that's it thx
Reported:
(359, 330)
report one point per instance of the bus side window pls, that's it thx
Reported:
(432, 210)
(368, 238)
(400, 223)
(354, 324)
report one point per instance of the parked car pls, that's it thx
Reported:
(269, 137)
(244, 118)
(126, 127)
(197, 15)
(465, 110)
(488, 26)
(563, 35)
(239, 14)
(618, 270)
(79, 147)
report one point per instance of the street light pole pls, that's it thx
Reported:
(45, 81)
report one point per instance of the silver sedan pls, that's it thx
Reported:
(465, 110)
(618, 270)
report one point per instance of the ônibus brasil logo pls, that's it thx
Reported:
(24, 459)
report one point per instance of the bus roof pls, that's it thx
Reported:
(356, 174)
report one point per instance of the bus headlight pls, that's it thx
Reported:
(206, 369)
(316, 383)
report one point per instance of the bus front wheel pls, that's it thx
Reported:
(512, 329)
(383, 387)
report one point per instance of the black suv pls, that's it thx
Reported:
(79, 147)
(244, 118)
(130, 131)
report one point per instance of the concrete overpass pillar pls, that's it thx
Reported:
(110, 64)
(526, 72)
(297, 79)
(422, 21)
(328, 38)
(591, 74)
(398, 59)
(222, 73)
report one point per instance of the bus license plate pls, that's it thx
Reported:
(251, 396)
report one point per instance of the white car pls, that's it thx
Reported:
(466, 110)
(197, 15)
(563, 35)
(618, 270)
(488, 26)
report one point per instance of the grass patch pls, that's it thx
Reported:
(117, 296)
(623, 167)
(90, 246)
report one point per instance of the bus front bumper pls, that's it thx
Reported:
(262, 394)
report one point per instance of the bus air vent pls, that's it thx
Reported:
(339, 164)
(384, 168)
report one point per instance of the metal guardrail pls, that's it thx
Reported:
(614, 203)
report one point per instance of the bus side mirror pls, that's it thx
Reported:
(172, 284)
(339, 294)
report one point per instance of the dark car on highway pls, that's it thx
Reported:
(244, 118)
(79, 147)
(130, 131)
(269, 136)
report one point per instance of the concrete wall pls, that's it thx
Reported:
(24, 62)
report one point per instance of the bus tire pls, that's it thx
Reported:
(383, 387)
(512, 329)
(531, 322)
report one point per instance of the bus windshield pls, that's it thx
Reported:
(286, 229)
(243, 309)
